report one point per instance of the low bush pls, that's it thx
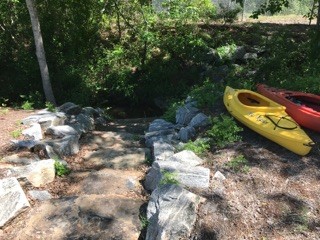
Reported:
(224, 131)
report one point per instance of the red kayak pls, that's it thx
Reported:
(304, 108)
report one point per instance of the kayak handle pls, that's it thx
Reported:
(276, 124)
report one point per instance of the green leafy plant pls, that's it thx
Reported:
(143, 221)
(198, 147)
(16, 133)
(226, 52)
(61, 169)
(170, 114)
(26, 105)
(169, 178)
(238, 164)
(50, 107)
(206, 94)
(224, 131)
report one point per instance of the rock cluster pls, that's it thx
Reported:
(49, 137)
(172, 208)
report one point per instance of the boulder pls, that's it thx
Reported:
(46, 119)
(184, 114)
(70, 108)
(160, 124)
(172, 213)
(162, 150)
(186, 133)
(61, 131)
(65, 146)
(34, 132)
(13, 201)
(37, 173)
(186, 175)
(200, 120)
(40, 195)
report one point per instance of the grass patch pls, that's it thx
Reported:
(61, 169)
(16, 133)
(4, 110)
(239, 164)
(169, 178)
(199, 147)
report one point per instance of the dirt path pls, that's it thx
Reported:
(107, 171)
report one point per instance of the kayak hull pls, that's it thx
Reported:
(304, 108)
(267, 118)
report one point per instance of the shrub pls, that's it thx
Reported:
(26, 105)
(206, 94)
(50, 107)
(198, 147)
(61, 169)
(170, 114)
(224, 131)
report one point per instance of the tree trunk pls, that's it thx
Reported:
(40, 52)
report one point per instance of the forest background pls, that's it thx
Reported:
(144, 56)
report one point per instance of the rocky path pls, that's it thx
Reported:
(102, 198)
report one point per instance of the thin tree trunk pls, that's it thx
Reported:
(47, 88)
(318, 16)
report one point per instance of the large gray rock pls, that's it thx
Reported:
(168, 136)
(24, 143)
(186, 133)
(12, 200)
(70, 108)
(84, 217)
(200, 120)
(40, 195)
(187, 157)
(82, 123)
(162, 150)
(46, 119)
(116, 157)
(160, 124)
(69, 145)
(185, 113)
(172, 213)
(92, 112)
(37, 173)
(109, 181)
(34, 132)
(61, 131)
(186, 174)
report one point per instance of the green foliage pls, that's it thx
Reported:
(144, 221)
(199, 146)
(16, 133)
(61, 169)
(50, 107)
(226, 52)
(228, 15)
(169, 178)
(31, 101)
(26, 105)
(239, 164)
(224, 131)
(170, 114)
(207, 93)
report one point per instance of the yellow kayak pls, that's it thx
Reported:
(267, 118)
